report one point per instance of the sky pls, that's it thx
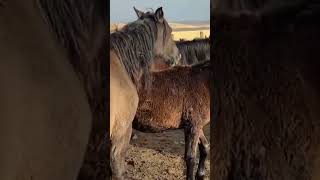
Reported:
(174, 10)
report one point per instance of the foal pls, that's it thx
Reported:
(179, 99)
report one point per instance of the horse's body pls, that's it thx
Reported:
(132, 50)
(194, 51)
(267, 93)
(179, 98)
(45, 115)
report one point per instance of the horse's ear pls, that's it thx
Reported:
(159, 15)
(139, 13)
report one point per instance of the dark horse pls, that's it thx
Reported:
(179, 98)
(132, 50)
(194, 51)
(265, 68)
(52, 95)
(191, 52)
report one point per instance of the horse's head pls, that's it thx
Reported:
(164, 46)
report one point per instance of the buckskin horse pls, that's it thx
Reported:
(51, 86)
(132, 49)
(266, 120)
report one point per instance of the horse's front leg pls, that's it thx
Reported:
(119, 148)
(204, 151)
(192, 138)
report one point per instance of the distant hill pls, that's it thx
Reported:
(176, 26)
(195, 23)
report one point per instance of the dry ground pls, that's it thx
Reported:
(159, 156)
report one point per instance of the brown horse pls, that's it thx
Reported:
(266, 90)
(46, 113)
(132, 50)
(179, 98)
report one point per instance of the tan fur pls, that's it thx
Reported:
(123, 105)
(44, 114)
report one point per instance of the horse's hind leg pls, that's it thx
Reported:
(204, 150)
(118, 153)
(192, 138)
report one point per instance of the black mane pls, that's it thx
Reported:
(194, 51)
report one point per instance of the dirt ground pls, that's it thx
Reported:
(159, 156)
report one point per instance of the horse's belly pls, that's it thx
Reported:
(155, 120)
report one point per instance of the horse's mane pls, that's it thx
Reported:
(134, 45)
(194, 51)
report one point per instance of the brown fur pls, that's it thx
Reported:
(179, 98)
(267, 97)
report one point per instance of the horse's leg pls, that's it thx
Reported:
(192, 138)
(118, 153)
(204, 150)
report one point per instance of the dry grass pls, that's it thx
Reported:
(190, 35)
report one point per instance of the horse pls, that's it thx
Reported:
(194, 51)
(179, 99)
(266, 90)
(190, 52)
(47, 62)
(132, 49)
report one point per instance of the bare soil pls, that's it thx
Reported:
(159, 156)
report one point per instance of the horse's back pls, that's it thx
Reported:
(177, 95)
(44, 115)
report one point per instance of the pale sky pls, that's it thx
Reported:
(174, 10)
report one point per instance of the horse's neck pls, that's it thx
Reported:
(133, 58)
